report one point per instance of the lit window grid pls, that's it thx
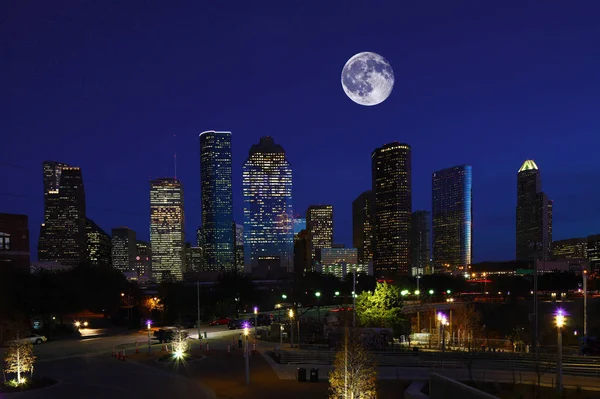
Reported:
(319, 223)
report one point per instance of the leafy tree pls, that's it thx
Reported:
(381, 308)
(19, 358)
(353, 375)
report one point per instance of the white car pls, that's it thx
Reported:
(33, 338)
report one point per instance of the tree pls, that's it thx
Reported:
(468, 324)
(354, 375)
(19, 358)
(381, 308)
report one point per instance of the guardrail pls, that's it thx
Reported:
(573, 365)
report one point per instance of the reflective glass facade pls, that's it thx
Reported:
(392, 211)
(268, 217)
(166, 229)
(452, 213)
(217, 200)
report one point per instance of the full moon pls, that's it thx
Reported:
(367, 78)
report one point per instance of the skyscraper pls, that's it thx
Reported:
(299, 224)
(268, 217)
(362, 226)
(98, 245)
(217, 199)
(124, 249)
(319, 225)
(572, 248)
(452, 218)
(392, 211)
(534, 215)
(166, 229)
(143, 259)
(301, 253)
(238, 245)
(420, 243)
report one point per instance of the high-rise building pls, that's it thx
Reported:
(167, 229)
(217, 199)
(301, 253)
(124, 249)
(193, 259)
(593, 252)
(392, 211)
(319, 225)
(452, 214)
(268, 217)
(98, 245)
(143, 259)
(362, 226)
(534, 215)
(330, 256)
(420, 244)
(63, 236)
(14, 242)
(238, 245)
(572, 248)
(299, 224)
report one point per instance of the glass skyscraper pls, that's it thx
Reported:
(362, 226)
(217, 200)
(420, 242)
(98, 245)
(452, 214)
(268, 213)
(392, 211)
(534, 215)
(166, 229)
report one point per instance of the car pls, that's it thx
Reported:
(220, 321)
(237, 324)
(31, 338)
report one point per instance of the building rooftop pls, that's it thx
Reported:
(528, 165)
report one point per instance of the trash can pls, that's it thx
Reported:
(205, 335)
(314, 375)
(301, 374)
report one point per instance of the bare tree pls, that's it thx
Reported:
(19, 358)
(354, 375)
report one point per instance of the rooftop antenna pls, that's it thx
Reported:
(175, 158)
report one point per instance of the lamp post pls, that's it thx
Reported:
(148, 323)
(318, 295)
(255, 321)
(584, 306)
(560, 322)
(291, 315)
(443, 322)
(284, 297)
(198, 321)
(246, 356)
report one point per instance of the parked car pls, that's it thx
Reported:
(35, 339)
(220, 321)
(237, 324)
(167, 334)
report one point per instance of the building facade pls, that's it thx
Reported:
(330, 256)
(124, 249)
(167, 229)
(301, 253)
(268, 217)
(14, 242)
(593, 252)
(299, 224)
(572, 248)
(420, 243)
(142, 265)
(217, 199)
(319, 225)
(534, 215)
(238, 246)
(99, 246)
(392, 211)
(362, 226)
(50, 229)
(452, 215)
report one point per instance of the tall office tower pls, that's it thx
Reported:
(420, 244)
(452, 213)
(193, 259)
(319, 225)
(362, 226)
(143, 259)
(299, 224)
(98, 245)
(166, 229)
(124, 249)
(49, 230)
(238, 245)
(534, 215)
(268, 217)
(572, 248)
(14, 242)
(301, 253)
(392, 210)
(217, 199)
(593, 252)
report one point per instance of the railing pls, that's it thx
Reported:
(574, 365)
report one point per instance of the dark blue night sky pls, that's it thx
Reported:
(117, 87)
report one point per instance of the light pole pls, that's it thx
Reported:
(443, 323)
(148, 323)
(291, 315)
(255, 321)
(318, 295)
(584, 306)
(198, 298)
(247, 357)
(284, 297)
(354, 299)
(560, 322)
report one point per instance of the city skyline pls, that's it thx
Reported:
(121, 122)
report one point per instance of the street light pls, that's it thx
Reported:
(417, 292)
(77, 324)
(430, 292)
(443, 323)
(318, 295)
(291, 316)
(148, 324)
(255, 321)
(560, 322)
(337, 293)
(246, 355)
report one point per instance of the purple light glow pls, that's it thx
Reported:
(246, 325)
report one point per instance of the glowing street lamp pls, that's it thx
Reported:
(337, 293)
(246, 356)
(417, 292)
(318, 295)
(283, 296)
(77, 324)
(404, 292)
(148, 324)
(430, 292)
(291, 316)
(560, 322)
(255, 320)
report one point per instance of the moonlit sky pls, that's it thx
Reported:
(117, 87)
